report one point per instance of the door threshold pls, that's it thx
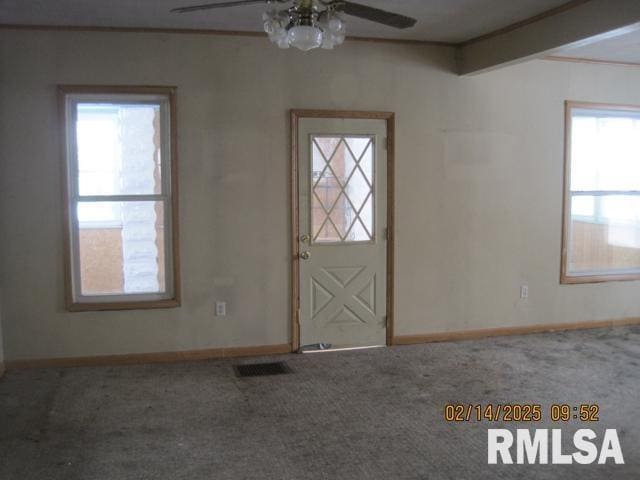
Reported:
(341, 349)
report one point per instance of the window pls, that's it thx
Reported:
(343, 188)
(121, 197)
(601, 239)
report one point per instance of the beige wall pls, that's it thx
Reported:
(479, 177)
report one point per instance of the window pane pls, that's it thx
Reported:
(121, 247)
(342, 185)
(605, 150)
(605, 234)
(118, 149)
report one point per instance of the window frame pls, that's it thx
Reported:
(68, 97)
(565, 277)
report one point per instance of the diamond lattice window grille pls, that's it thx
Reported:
(342, 189)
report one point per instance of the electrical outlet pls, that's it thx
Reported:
(221, 309)
(524, 291)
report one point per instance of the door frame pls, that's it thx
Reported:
(295, 116)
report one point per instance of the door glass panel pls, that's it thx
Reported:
(318, 163)
(326, 191)
(342, 215)
(328, 232)
(366, 164)
(358, 233)
(342, 164)
(358, 145)
(327, 145)
(366, 216)
(342, 183)
(358, 189)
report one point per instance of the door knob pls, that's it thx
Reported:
(305, 255)
(305, 238)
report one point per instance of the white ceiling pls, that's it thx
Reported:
(623, 48)
(438, 20)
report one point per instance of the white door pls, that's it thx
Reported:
(342, 227)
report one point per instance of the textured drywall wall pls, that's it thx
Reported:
(479, 185)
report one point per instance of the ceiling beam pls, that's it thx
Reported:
(578, 23)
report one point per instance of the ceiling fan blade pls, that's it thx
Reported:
(374, 14)
(208, 6)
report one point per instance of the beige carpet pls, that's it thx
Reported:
(375, 414)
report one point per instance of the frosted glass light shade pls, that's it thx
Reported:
(305, 37)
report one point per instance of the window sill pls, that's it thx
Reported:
(577, 279)
(92, 307)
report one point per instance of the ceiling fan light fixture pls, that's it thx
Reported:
(310, 24)
(283, 43)
(305, 37)
(304, 29)
(327, 42)
(333, 29)
(272, 23)
(335, 24)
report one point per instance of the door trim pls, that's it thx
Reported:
(295, 116)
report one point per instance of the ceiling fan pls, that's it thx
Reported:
(309, 24)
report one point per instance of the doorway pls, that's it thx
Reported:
(342, 218)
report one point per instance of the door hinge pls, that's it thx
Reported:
(385, 143)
